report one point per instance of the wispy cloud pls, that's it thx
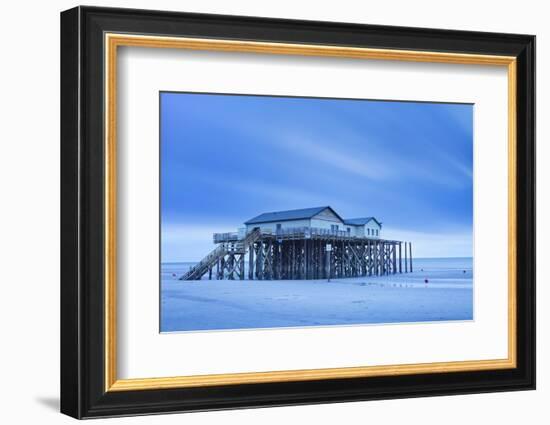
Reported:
(332, 157)
(351, 153)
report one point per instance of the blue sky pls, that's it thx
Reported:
(226, 158)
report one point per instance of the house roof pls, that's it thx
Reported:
(360, 221)
(300, 214)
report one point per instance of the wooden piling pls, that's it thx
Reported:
(394, 252)
(400, 258)
(376, 258)
(250, 263)
(410, 257)
(406, 264)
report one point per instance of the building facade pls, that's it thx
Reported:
(323, 219)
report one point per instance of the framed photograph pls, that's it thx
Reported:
(261, 212)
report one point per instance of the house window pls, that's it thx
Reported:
(334, 228)
(279, 227)
(349, 230)
(376, 232)
(368, 232)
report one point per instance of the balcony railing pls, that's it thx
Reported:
(292, 232)
(226, 237)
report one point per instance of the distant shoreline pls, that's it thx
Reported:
(415, 260)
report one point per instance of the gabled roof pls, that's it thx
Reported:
(360, 221)
(300, 214)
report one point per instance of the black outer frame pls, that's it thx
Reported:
(82, 219)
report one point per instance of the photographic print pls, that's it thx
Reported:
(295, 212)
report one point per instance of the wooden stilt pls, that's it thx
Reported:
(406, 263)
(376, 258)
(306, 259)
(251, 263)
(241, 267)
(394, 246)
(400, 257)
(410, 257)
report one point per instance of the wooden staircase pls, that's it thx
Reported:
(250, 239)
(207, 263)
(199, 270)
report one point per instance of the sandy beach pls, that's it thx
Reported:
(226, 304)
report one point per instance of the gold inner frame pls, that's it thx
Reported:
(113, 41)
